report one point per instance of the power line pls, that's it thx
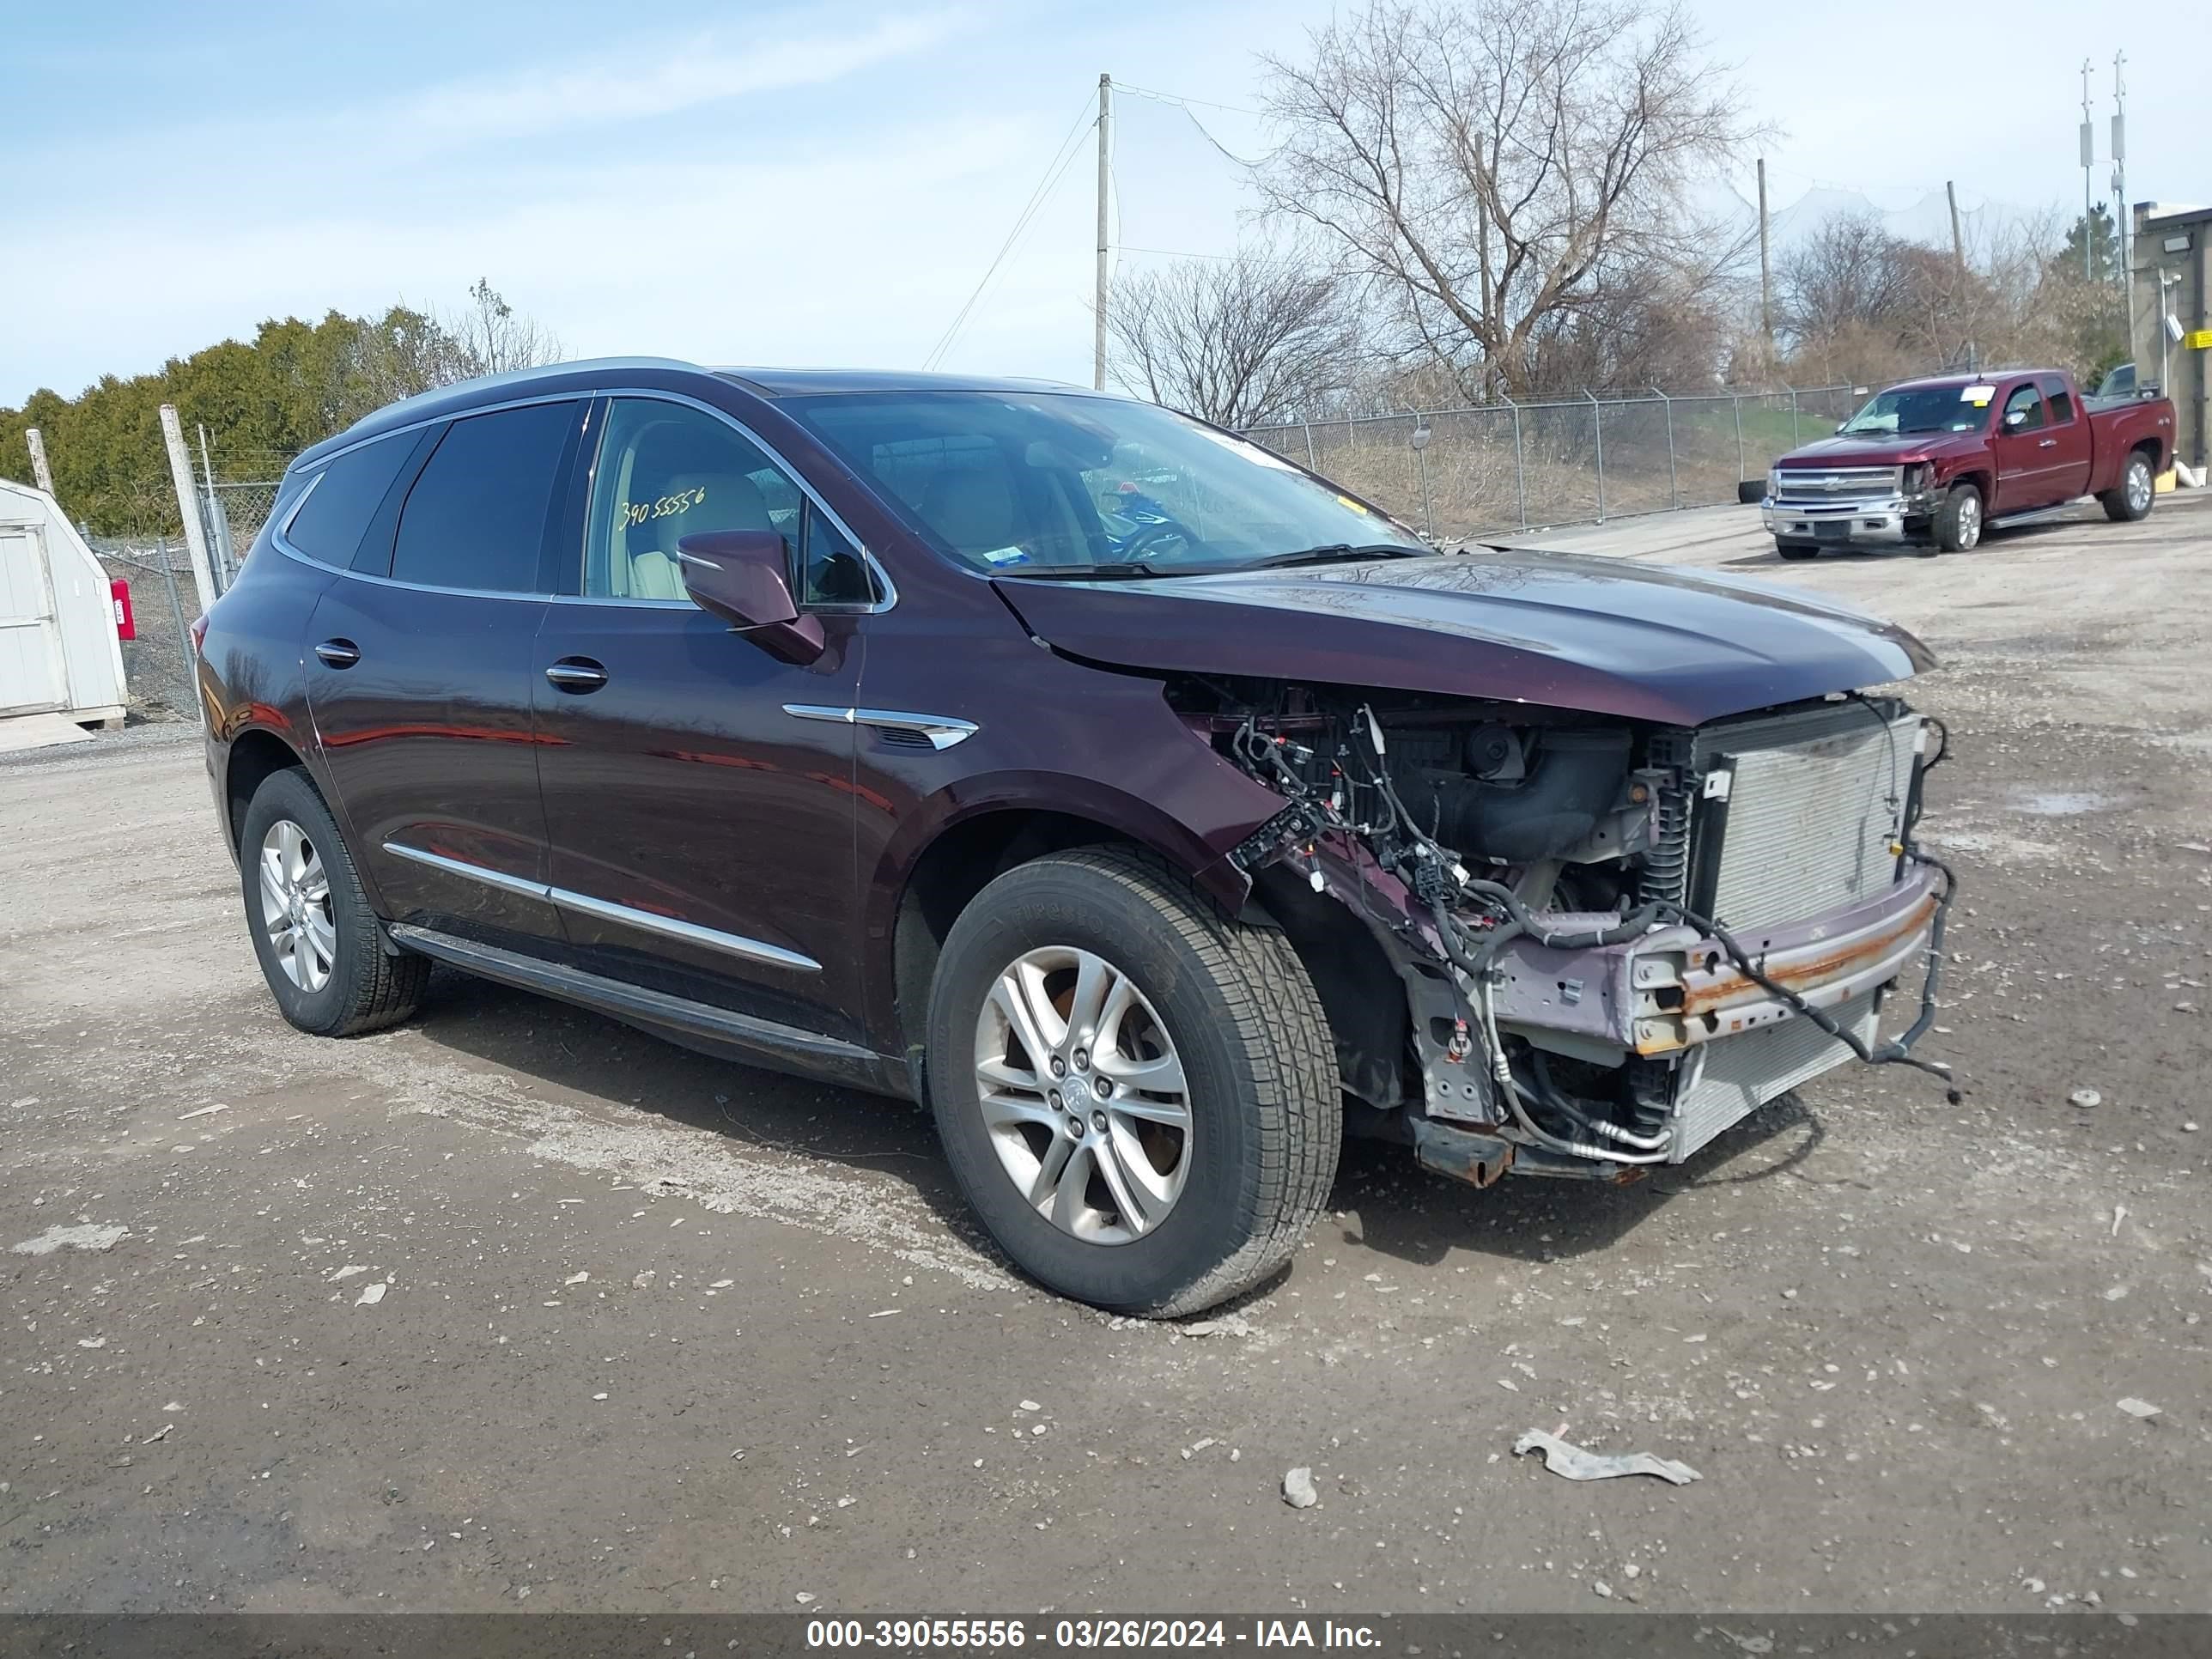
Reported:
(1055, 170)
(1172, 98)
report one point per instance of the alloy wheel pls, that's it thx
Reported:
(1970, 523)
(1082, 1095)
(296, 905)
(2139, 486)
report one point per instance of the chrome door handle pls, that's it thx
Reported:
(2048, 443)
(338, 654)
(576, 675)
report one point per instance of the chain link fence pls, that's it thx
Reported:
(1464, 473)
(157, 666)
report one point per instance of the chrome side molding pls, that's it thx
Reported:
(583, 904)
(942, 731)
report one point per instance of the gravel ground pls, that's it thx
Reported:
(513, 1307)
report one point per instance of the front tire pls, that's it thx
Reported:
(2132, 498)
(317, 940)
(1958, 522)
(1137, 1092)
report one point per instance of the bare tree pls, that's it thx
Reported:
(1502, 165)
(493, 337)
(1239, 341)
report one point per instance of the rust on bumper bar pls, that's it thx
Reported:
(1676, 988)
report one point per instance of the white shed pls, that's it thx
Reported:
(58, 650)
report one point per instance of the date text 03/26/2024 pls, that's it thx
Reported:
(989, 1635)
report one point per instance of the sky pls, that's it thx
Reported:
(754, 182)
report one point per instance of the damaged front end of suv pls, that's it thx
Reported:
(1581, 931)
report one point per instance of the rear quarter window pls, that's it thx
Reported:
(344, 496)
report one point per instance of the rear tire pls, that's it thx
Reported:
(1796, 550)
(2130, 501)
(323, 953)
(1234, 1012)
(1958, 523)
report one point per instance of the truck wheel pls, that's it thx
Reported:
(1137, 1092)
(1796, 550)
(2136, 494)
(318, 941)
(1958, 523)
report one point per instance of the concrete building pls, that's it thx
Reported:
(2168, 258)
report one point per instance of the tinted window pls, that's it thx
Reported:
(2026, 403)
(832, 571)
(665, 472)
(476, 517)
(2061, 402)
(329, 527)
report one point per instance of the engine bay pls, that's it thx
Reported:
(1548, 889)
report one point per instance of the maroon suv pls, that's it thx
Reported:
(1149, 807)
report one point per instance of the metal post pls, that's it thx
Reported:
(181, 474)
(1765, 276)
(1737, 402)
(1792, 391)
(41, 474)
(1105, 137)
(1421, 435)
(1313, 463)
(1673, 483)
(184, 635)
(218, 523)
(1520, 482)
(2089, 163)
(1597, 418)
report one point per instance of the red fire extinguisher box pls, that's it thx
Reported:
(127, 626)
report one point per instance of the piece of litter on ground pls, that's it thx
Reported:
(2085, 1098)
(1570, 1460)
(577, 1279)
(161, 1433)
(371, 1294)
(2142, 1408)
(721, 1283)
(349, 1271)
(886, 1313)
(91, 1342)
(600, 1396)
(1298, 1489)
(804, 1597)
(203, 1111)
(2119, 1214)
(88, 1237)
(1027, 1406)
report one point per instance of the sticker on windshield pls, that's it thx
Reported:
(1978, 395)
(999, 556)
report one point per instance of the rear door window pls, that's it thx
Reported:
(477, 515)
(344, 497)
(2062, 401)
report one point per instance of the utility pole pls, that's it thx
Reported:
(1959, 258)
(1766, 272)
(181, 473)
(2120, 176)
(1098, 298)
(2089, 161)
(41, 474)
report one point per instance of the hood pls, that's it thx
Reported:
(1883, 452)
(1557, 630)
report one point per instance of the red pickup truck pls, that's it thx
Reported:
(1934, 463)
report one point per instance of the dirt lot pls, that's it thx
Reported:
(1892, 1333)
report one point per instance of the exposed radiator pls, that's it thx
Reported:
(1735, 1076)
(1814, 804)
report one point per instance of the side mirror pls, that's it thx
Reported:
(739, 575)
(2013, 417)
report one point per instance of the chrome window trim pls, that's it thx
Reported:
(563, 898)
(942, 731)
(278, 539)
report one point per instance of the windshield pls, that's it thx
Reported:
(1923, 409)
(1034, 483)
